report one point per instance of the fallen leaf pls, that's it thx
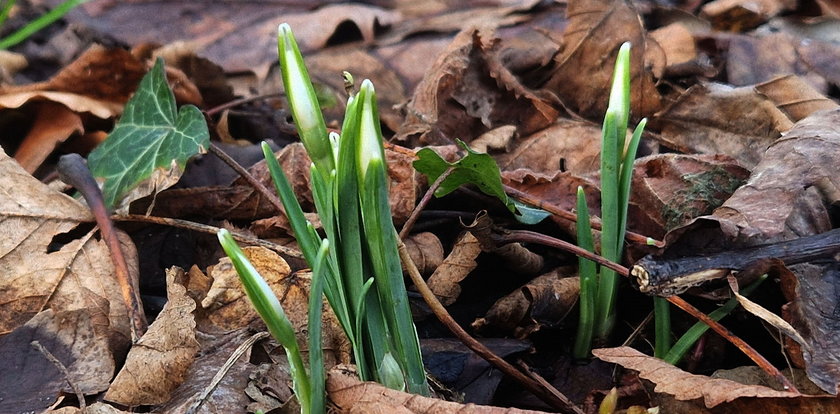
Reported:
(227, 306)
(147, 150)
(32, 382)
(812, 310)
(566, 145)
(455, 268)
(752, 60)
(158, 362)
(426, 251)
(352, 396)
(542, 302)
(229, 396)
(795, 97)
(677, 43)
(591, 40)
(742, 15)
(35, 276)
(711, 118)
(53, 124)
(332, 18)
(463, 371)
(682, 385)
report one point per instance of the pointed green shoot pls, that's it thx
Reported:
(588, 281)
(271, 312)
(303, 102)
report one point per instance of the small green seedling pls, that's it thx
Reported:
(34, 26)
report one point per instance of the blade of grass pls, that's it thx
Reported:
(4, 12)
(588, 281)
(682, 346)
(608, 281)
(41, 22)
(662, 326)
(317, 375)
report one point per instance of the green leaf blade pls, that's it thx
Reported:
(149, 148)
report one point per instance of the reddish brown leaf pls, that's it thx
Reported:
(53, 124)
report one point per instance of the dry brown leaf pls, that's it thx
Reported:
(682, 385)
(718, 119)
(584, 70)
(543, 301)
(795, 97)
(33, 277)
(354, 397)
(669, 190)
(742, 15)
(567, 145)
(158, 362)
(677, 43)
(53, 124)
(497, 139)
(76, 102)
(313, 29)
(811, 290)
(229, 396)
(457, 265)
(753, 59)
(228, 307)
(468, 91)
(426, 251)
(31, 382)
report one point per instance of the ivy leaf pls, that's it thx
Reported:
(148, 149)
(475, 168)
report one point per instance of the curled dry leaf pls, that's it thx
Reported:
(677, 43)
(352, 396)
(712, 118)
(457, 265)
(425, 250)
(75, 275)
(229, 396)
(468, 91)
(595, 31)
(795, 97)
(566, 145)
(53, 124)
(227, 306)
(157, 364)
(543, 301)
(682, 385)
(742, 15)
(31, 382)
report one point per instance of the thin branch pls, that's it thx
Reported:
(204, 228)
(74, 171)
(270, 196)
(423, 202)
(437, 308)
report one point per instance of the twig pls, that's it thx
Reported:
(241, 349)
(271, 197)
(74, 171)
(423, 202)
(50, 357)
(537, 377)
(532, 237)
(470, 342)
(205, 228)
(237, 102)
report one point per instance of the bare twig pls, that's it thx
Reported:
(528, 236)
(50, 357)
(537, 377)
(423, 202)
(265, 192)
(237, 102)
(74, 171)
(204, 228)
(437, 308)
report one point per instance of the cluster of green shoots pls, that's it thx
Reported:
(598, 286)
(34, 26)
(356, 265)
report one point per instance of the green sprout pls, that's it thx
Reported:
(34, 26)
(599, 286)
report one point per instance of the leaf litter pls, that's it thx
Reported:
(738, 103)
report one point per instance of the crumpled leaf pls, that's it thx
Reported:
(455, 268)
(158, 362)
(149, 147)
(682, 385)
(32, 383)
(351, 395)
(228, 307)
(591, 40)
(566, 145)
(35, 276)
(53, 124)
